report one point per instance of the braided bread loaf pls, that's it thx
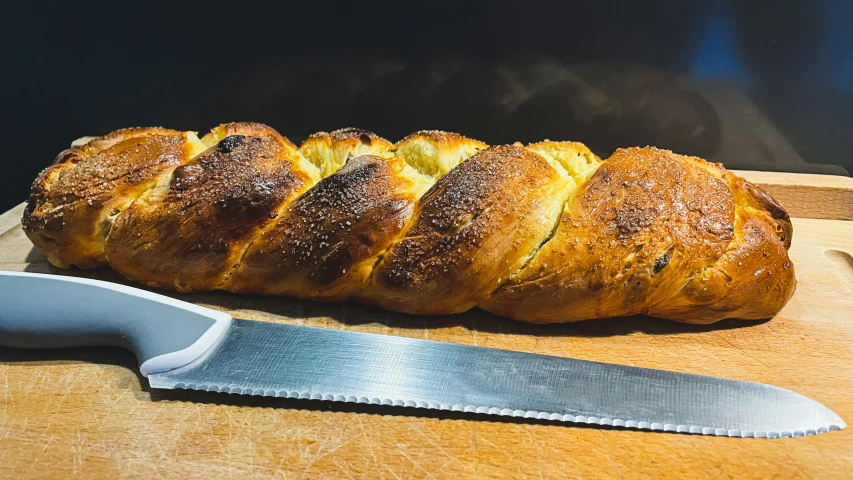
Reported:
(436, 223)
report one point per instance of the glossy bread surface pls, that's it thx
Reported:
(437, 223)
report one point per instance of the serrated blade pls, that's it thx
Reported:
(261, 358)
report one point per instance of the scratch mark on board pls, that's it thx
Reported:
(398, 477)
(367, 442)
(320, 454)
(531, 434)
(474, 446)
(4, 377)
(440, 468)
(343, 468)
(50, 440)
(432, 442)
(414, 462)
(608, 451)
(230, 441)
(77, 449)
(794, 462)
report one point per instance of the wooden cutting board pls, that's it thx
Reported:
(86, 413)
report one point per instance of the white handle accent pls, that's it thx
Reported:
(173, 360)
(53, 311)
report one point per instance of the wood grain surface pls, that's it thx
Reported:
(807, 195)
(86, 413)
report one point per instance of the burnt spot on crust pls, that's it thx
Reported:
(229, 143)
(632, 219)
(247, 129)
(767, 202)
(784, 230)
(661, 262)
(243, 179)
(342, 221)
(328, 239)
(191, 238)
(784, 227)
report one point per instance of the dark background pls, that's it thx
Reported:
(760, 85)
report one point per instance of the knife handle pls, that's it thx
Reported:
(52, 311)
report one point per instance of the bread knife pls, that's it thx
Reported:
(180, 345)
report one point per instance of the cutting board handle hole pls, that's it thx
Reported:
(843, 263)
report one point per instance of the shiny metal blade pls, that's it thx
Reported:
(260, 358)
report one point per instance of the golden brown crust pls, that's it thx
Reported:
(577, 147)
(472, 229)
(749, 195)
(329, 151)
(99, 144)
(434, 153)
(325, 246)
(573, 157)
(350, 135)
(753, 279)
(248, 129)
(73, 203)
(188, 237)
(443, 139)
(753, 197)
(638, 236)
(543, 233)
